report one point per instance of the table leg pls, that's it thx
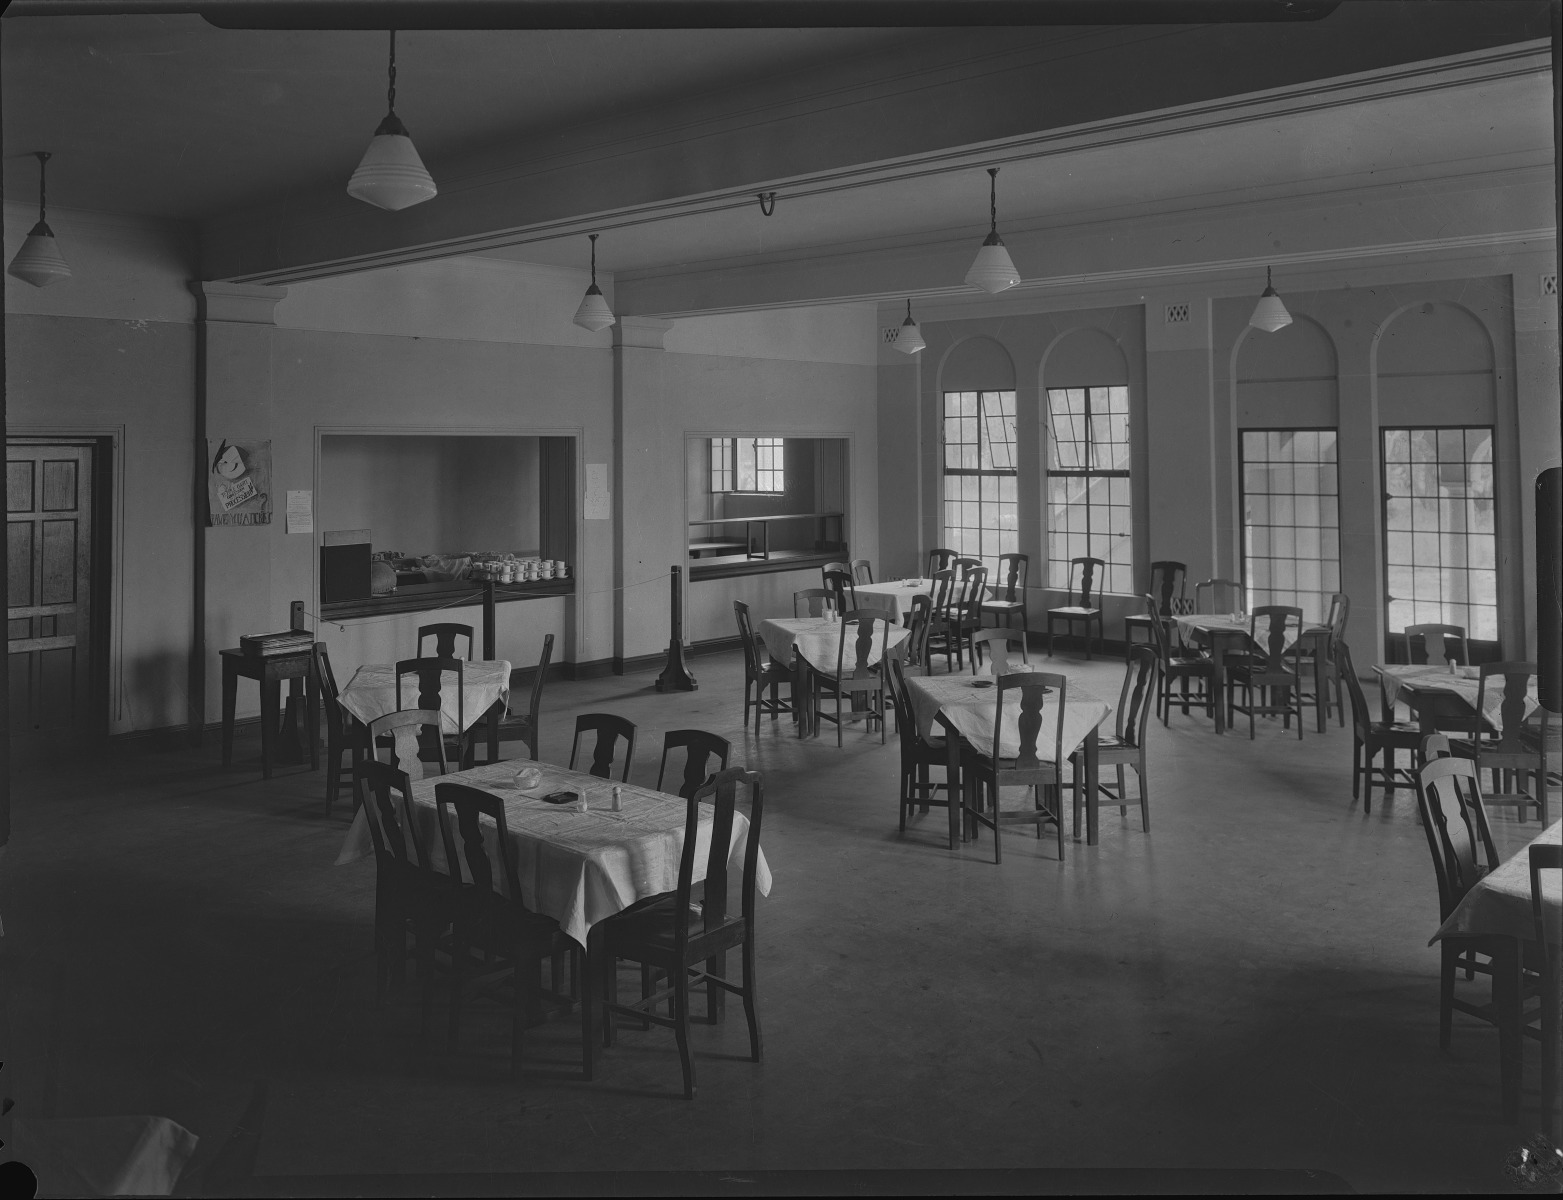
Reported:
(1319, 704)
(230, 694)
(270, 695)
(1506, 1006)
(312, 709)
(494, 713)
(1218, 680)
(1093, 816)
(591, 987)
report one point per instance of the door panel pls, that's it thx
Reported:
(49, 570)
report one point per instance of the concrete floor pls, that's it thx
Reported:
(1247, 986)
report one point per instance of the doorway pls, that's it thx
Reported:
(56, 563)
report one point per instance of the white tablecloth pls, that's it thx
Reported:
(819, 640)
(371, 692)
(895, 598)
(1396, 679)
(1207, 623)
(1500, 902)
(575, 867)
(972, 711)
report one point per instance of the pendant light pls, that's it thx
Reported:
(391, 175)
(594, 313)
(1270, 314)
(910, 339)
(38, 262)
(993, 270)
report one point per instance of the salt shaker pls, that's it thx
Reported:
(618, 799)
(581, 805)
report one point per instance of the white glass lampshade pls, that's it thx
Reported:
(910, 339)
(1270, 314)
(39, 261)
(993, 270)
(391, 175)
(594, 313)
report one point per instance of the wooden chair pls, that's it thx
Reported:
(984, 775)
(445, 634)
(1460, 840)
(918, 626)
(1126, 746)
(1180, 665)
(856, 678)
(345, 733)
(815, 600)
(839, 583)
(919, 755)
(1168, 580)
(1082, 604)
(1419, 644)
(965, 610)
(1550, 964)
(527, 726)
(996, 644)
(699, 749)
(404, 733)
(610, 729)
(1224, 596)
(689, 943)
(1507, 752)
(1333, 696)
(940, 636)
(1007, 597)
(862, 570)
(1371, 738)
(940, 559)
(513, 941)
(760, 672)
(409, 894)
(430, 673)
(1267, 628)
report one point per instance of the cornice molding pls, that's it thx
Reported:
(237, 303)
(640, 333)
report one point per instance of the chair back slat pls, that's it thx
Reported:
(610, 730)
(862, 570)
(1268, 626)
(857, 628)
(995, 643)
(394, 832)
(445, 634)
(472, 853)
(839, 581)
(1088, 569)
(1033, 688)
(1138, 694)
(430, 673)
(1448, 640)
(940, 559)
(719, 796)
(1456, 824)
(405, 729)
(1012, 572)
(700, 748)
(815, 600)
(1167, 577)
(1225, 595)
(971, 591)
(1516, 686)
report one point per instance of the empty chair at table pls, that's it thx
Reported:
(858, 677)
(1125, 746)
(964, 613)
(402, 734)
(1218, 596)
(920, 755)
(431, 676)
(1084, 602)
(940, 559)
(838, 580)
(528, 725)
(1327, 669)
(1168, 580)
(346, 735)
(687, 942)
(704, 755)
(919, 625)
(1435, 645)
(609, 730)
(1180, 665)
(445, 635)
(1514, 759)
(1275, 630)
(985, 773)
(862, 570)
(498, 943)
(1002, 650)
(761, 671)
(814, 601)
(939, 636)
(1370, 738)
(1007, 594)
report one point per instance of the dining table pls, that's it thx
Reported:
(893, 597)
(1231, 633)
(1498, 906)
(485, 689)
(1432, 691)
(578, 867)
(813, 644)
(970, 704)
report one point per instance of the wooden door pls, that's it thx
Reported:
(48, 491)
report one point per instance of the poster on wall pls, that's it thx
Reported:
(238, 483)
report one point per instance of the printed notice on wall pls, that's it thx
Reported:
(301, 512)
(598, 503)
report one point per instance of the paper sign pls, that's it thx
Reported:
(301, 512)
(598, 502)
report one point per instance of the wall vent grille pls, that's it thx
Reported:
(891, 333)
(1177, 314)
(1549, 285)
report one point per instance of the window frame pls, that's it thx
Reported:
(1051, 472)
(1005, 536)
(723, 478)
(1242, 508)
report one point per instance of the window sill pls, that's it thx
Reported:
(730, 565)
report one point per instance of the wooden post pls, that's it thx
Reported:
(488, 619)
(675, 676)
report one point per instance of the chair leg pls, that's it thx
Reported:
(1145, 794)
(751, 1009)
(681, 1029)
(458, 957)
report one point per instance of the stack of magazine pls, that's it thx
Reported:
(289, 641)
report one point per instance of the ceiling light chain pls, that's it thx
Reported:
(390, 91)
(993, 270)
(391, 175)
(1270, 314)
(39, 261)
(594, 313)
(909, 340)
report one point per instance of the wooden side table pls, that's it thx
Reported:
(269, 671)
